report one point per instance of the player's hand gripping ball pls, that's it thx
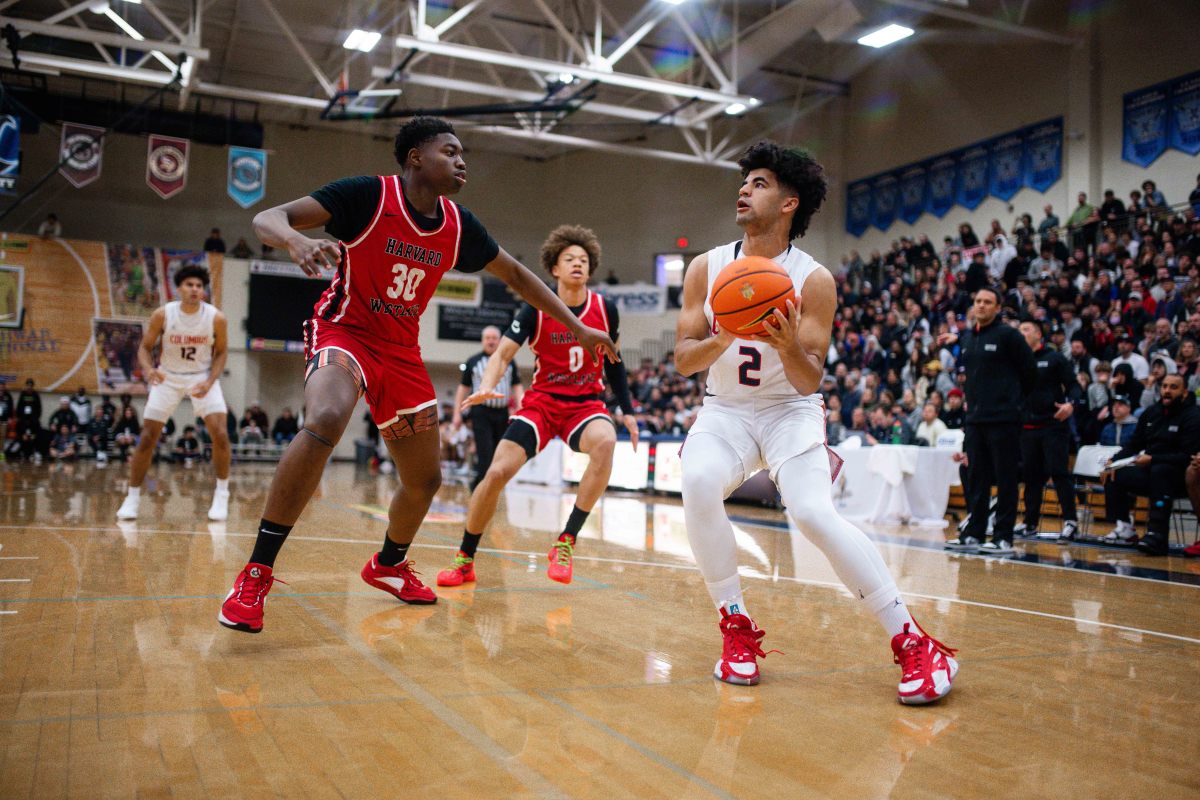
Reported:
(747, 291)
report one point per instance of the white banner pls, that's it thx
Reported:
(637, 298)
(286, 269)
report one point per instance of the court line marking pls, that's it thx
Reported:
(175, 712)
(14, 580)
(633, 744)
(19, 558)
(688, 567)
(87, 273)
(522, 772)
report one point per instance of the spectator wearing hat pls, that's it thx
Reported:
(1135, 316)
(1121, 423)
(1163, 444)
(64, 416)
(953, 414)
(1127, 355)
(1045, 436)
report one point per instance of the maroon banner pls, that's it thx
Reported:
(80, 151)
(166, 165)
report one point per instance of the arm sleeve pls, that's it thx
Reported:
(524, 324)
(614, 374)
(351, 203)
(515, 374)
(477, 248)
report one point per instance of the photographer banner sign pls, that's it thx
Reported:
(1145, 125)
(637, 298)
(81, 152)
(166, 165)
(247, 182)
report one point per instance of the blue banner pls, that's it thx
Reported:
(1043, 154)
(914, 190)
(10, 153)
(942, 176)
(858, 207)
(885, 190)
(1006, 157)
(1183, 125)
(1145, 125)
(972, 176)
(247, 175)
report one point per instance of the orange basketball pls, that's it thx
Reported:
(747, 291)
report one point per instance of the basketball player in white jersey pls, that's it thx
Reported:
(194, 341)
(762, 410)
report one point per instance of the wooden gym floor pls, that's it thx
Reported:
(1079, 665)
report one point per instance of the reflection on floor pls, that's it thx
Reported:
(115, 680)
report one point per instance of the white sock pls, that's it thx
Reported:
(223, 485)
(135, 492)
(890, 610)
(727, 594)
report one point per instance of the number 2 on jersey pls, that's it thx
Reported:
(753, 363)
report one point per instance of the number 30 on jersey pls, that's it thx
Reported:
(405, 281)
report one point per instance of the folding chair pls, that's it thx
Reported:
(1089, 463)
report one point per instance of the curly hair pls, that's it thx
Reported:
(416, 132)
(563, 237)
(796, 170)
(191, 271)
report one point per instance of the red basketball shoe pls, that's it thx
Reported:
(560, 560)
(400, 581)
(926, 665)
(738, 663)
(244, 605)
(462, 572)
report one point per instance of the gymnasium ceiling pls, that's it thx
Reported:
(646, 77)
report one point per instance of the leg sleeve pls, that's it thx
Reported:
(711, 471)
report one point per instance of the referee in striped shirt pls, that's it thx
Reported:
(489, 420)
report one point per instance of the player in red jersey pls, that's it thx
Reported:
(397, 235)
(565, 399)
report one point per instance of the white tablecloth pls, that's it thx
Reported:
(896, 484)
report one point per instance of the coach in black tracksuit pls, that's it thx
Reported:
(489, 419)
(1000, 372)
(1045, 436)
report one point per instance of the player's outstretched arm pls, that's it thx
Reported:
(696, 347)
(538, 295)
(280, 227)
(497, 364)
(145, 353)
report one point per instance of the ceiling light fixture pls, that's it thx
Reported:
(733, 109)
(363, 41)
(888, 34)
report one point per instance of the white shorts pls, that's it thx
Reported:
(165, 397)
(764, 433)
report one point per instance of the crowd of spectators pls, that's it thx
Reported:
(79, 427)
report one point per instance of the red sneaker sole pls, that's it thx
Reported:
(460, 583)
(396, 594)
(237, 626)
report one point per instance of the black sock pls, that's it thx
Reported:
(575, 522)
(392, 553)
(470, 543)
(271, 536)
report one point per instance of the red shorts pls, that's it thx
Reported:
(394, 377)
(549, 417)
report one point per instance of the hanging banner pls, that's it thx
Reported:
(941, 175)
(885, 190)
(247, 175)
(10, 153)
(1005, 156)
(166, 165)
(80, 152)
(973, 176)
(858, 208)
(1183, 125)
(913, 190)
(1043, 154)
(1145, 125)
